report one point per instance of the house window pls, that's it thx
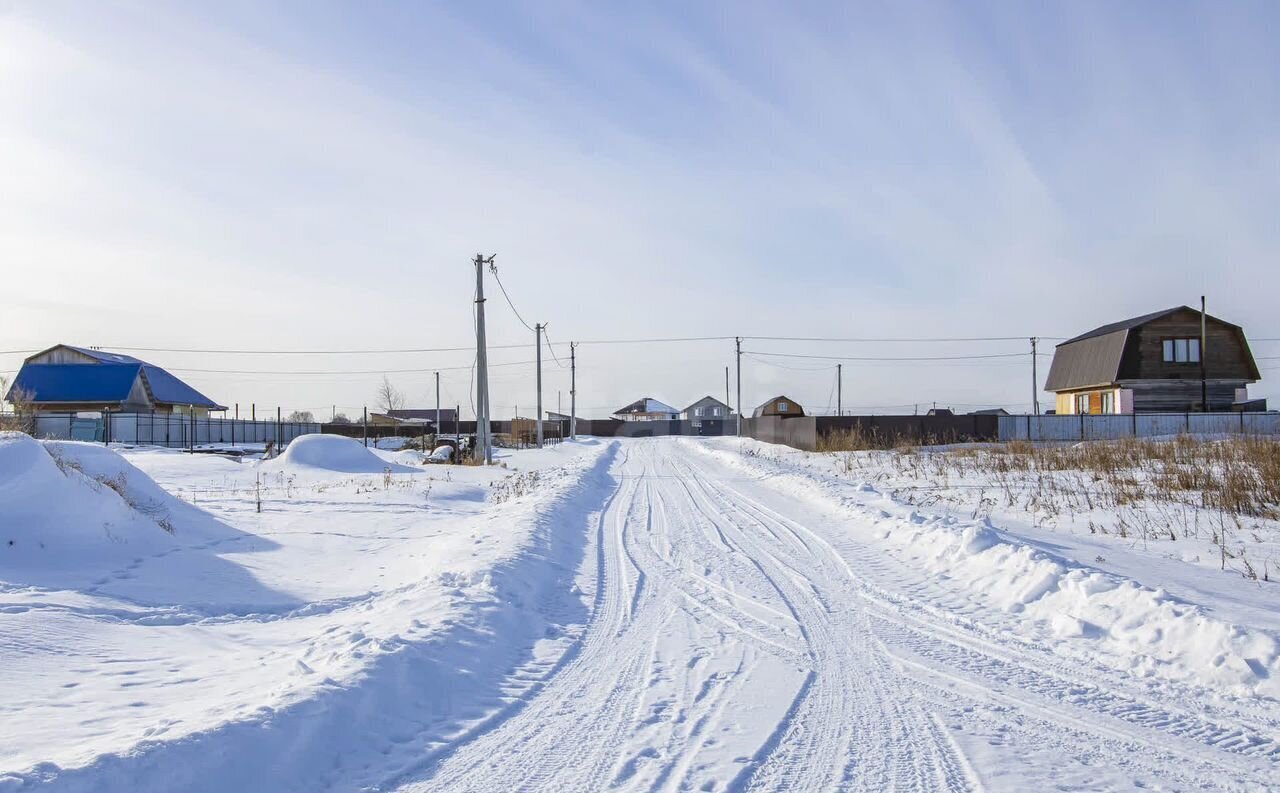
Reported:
(1082, 403)
(782, 407)
(1182, 351)
(1108, 402)
(715, 412)
(697, 412)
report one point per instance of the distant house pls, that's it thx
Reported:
(1151, 364)
(940, 412)
(989, 412)
(706, 408)
(80, 379)
(447, 415)
(779, 406)
(647, 409)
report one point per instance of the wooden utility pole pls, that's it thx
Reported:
(839, 389)
(438, 427)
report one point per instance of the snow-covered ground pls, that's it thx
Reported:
(656, 614)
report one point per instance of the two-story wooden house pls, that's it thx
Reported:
(1152, 364)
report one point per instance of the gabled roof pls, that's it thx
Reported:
(109, 380)
(707, 399)
(1126, 324)
(100, 355)
(759, 411)
(645, 405)
(1094, 359)
(52, 382)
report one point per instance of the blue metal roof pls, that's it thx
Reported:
(110, 380)
(170, 390)
(55, 382)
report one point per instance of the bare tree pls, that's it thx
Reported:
(23, 418)
(340, 418)
(389, 397)
(301, 417)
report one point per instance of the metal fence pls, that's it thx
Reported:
(1135, 425)
(166, 429)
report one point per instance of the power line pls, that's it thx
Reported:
(345, 372)
(913, 358)
(900, 340)
(494, 269)
(551, 347)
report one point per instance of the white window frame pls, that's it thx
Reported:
(783, 407)
(1108, 402)
(1184, 350)
(1082, 404)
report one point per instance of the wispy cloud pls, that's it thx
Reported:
(312, 176)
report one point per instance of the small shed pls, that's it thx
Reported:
(779, 406)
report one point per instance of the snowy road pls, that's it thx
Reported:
(744, 638)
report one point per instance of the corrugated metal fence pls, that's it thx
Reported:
(1136, 425)
(166, 429)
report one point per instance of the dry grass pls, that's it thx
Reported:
(1227, 491)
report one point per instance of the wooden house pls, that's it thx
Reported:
(1152, 364)
(647, 409)
(779, 406)
(83, 379)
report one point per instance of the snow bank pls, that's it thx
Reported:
(62, 513)
(1080, 612)
(333, 453)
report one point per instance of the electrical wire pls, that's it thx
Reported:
(912, 358)
(427, 370)
(551, 347)
(493, 268)
(902, 340)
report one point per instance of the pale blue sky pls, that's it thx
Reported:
(316, 175)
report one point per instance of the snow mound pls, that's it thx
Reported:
(333, 453)
(61, 513)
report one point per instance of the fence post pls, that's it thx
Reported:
(1187, 416)
(364, 424)
(1081, 426)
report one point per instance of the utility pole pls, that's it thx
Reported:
(484, 449)
(737, 344)
(726, 386)
(438, 427)
(1204, 380)
(537, 329)
(839, 389)
(573, 391)
(1035, 379)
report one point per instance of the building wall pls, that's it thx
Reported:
(1225, 354)
(62, 355)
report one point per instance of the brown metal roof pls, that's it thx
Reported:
(1087, 360)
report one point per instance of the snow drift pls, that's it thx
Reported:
(68, 509)
(333, 453)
